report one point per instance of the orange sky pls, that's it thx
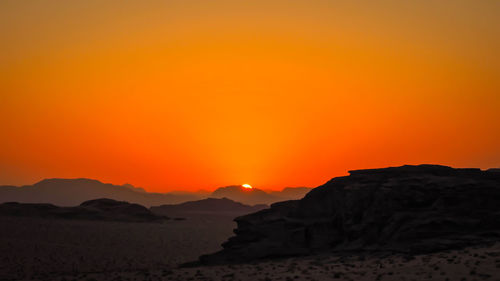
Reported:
(199, 94)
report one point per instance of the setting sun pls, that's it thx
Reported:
(247, 186)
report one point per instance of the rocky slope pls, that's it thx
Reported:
(409, 209)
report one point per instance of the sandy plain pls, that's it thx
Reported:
(34, 248)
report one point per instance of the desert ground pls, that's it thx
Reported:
(34, 248)
(468, 264)
(41, 249)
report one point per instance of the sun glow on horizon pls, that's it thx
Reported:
(247, 186)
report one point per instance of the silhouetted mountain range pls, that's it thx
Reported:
(98, 209)
(291, 193)
(209, 206)
(408, 209)
(71, 192)
(245, 195)
(257, 196)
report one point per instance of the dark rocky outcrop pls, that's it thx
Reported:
(209, 206)
(408, 209)
(98, 209)
(120, 210)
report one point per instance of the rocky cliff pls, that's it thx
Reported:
(409, 209)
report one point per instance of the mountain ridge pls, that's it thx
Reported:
(71, 192)
(252, 196)
(215, 206)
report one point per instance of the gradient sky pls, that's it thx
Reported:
(199, 94)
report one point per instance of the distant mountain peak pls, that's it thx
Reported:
(63, 180)
(250, 196)
(134, 188)
(237, 188)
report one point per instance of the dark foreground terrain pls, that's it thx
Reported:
(405, 223)
(476, 263)
(42, 249)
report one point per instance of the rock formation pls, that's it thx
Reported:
(98, 209)
(408, 209)
(209, 206)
